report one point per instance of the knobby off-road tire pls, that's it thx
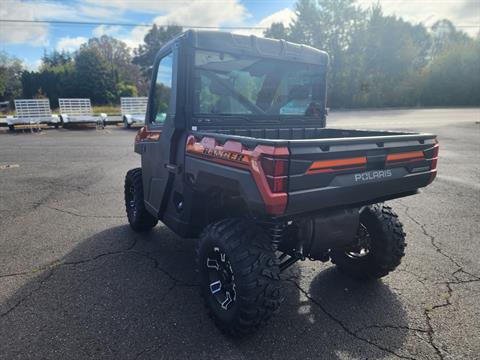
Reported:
(139, 218)
(244, 256)
(386, 245)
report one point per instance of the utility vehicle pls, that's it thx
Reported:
(235, 153)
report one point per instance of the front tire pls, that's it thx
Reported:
(139, 218)
(239, 275)
(379, 247)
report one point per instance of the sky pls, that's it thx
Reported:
(28, 41)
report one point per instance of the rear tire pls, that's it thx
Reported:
(380, 247)
(139, 218)
(239, 275)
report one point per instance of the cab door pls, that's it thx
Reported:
(157, 153)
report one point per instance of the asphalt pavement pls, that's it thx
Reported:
(77, 283)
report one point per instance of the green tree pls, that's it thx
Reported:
(385, 60)
(116, 55)
(277, 31)
(445, 35)
(126, 90)
(328, 25)
(153, 41)
(11, 70)
(94, 78)
(55, 78)
(378, 60)
(56, 58)
(453, 77)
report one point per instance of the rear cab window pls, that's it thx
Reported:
(227, 84)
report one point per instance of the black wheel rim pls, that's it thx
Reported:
(221, 280)
(362, 245)
(131, 200)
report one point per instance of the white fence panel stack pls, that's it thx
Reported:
(133, 110)
(32, 112)
(79, 111)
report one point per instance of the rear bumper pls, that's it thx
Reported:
(312, 200)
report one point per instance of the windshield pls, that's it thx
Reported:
(240, 85)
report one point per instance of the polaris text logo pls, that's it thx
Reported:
(373, 175)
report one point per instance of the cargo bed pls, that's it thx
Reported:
(330, 168)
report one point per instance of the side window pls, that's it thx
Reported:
(163, 90)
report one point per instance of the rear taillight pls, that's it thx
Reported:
(406, 157)
(329, 166)
(436, 148)
(432, 155)
(276, 171)
(277, 184)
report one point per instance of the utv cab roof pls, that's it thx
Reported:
(252, 45)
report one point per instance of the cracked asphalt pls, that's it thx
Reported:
(77, 283)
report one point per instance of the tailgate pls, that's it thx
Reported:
(338, 172)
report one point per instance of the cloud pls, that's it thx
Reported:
(97, 12)
(143, 6)
(106, 30)
(70, 44)
(205, 13)
(32, 34)
(21, 33)
(32, 65)
(465, 14)
(135, 37)
(38, 34)
(186, 13)
(284, 16)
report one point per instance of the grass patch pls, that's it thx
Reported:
(108, 109)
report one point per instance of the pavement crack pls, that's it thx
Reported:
(163, 270)
(437, 247)
(428, 317)
(395, 327)
(350, 332)
(431, 333)
(58, 263)
(55, 265)
(22, 273)
(28, 295)
(82, 215)
(459, 269)
(417, 277)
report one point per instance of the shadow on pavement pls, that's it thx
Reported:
(120, 295)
